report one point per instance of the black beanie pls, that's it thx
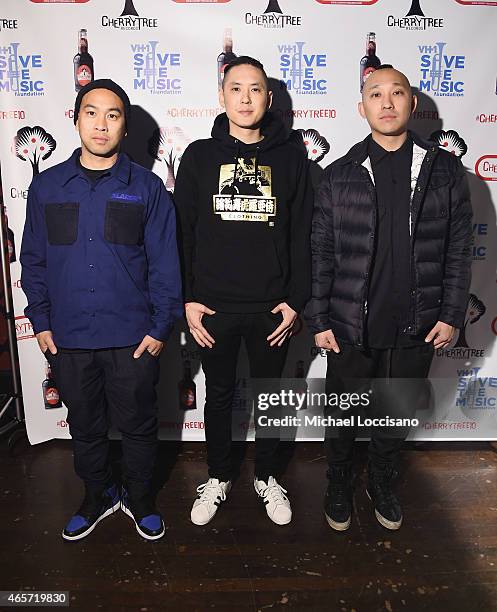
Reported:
(103, 84)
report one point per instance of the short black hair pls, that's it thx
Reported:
(385, 66)
(245, 60)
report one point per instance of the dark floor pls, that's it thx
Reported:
(444, 558)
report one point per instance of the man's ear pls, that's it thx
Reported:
(360, 108)
(414, 103)
(269, 100)
(221, 96)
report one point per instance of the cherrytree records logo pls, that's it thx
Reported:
(273, 17)
(21, 73)
(461, 349)
(33, 144)
(450, 141)
(302, 71)
(24, 329)
(441, 73)
(486, 168)
(129, 19)
(476, 309)
(8, 24)
(155, 71)
(415, 19)
(317, 146)
(167, 145)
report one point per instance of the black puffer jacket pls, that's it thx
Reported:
(343, 236)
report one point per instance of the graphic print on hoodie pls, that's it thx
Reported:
(245, 192)
(244, 213)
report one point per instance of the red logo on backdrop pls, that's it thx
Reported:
(494, 326)
(477, 2)
(364, 2)
(24, 329)
(486, 168)
(59, 1)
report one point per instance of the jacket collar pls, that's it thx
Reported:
(70, 168)
(359, 152)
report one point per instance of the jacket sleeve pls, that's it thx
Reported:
(164, 278)
(457, 273)
(300, 230)
(322, 246)
(33, 260)
(185, 199)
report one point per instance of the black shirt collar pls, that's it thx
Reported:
(376, 152)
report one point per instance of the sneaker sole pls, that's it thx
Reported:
(391, 525)
(210, 519)
(338, 526)
(142, 533)
(80, 536)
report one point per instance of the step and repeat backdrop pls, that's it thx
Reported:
(169, 55)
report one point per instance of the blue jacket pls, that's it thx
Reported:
(99, 261)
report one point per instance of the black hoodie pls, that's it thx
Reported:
(245, 214)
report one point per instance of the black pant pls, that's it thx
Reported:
(354, 370)
(219, 365)
(99, 385)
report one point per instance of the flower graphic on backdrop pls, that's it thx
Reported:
(476, 309)
(450, 141)
(33, 144)
(317, 146)
(168, 145)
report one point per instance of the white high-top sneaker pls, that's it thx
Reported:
(210, 496)
(277, 503)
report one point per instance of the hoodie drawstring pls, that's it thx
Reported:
(236, 170)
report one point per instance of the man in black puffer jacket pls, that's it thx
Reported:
(391, 246)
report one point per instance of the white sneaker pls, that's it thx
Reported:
(277, 503)
(210, 496)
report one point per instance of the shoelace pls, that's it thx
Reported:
(274, 492)
(209, 492)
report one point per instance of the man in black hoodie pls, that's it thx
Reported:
(244, 205)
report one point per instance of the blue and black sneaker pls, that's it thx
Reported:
(148, 521)
(95, 507)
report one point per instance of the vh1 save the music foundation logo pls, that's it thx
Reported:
(21, 73)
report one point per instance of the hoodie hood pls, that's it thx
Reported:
(272, 128)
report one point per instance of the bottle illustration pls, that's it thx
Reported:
(187, 389)
(370, 62)
(51, 397)
(83, 62)
(226, 56)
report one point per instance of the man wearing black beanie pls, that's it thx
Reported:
(101, 275)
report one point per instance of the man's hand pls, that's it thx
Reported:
(284, 329)
(153, 346)
(45, 341)
(194, 313)
(326, 340)
(441, 334)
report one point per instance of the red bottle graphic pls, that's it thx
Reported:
(83, 62)
(51, 396)
(187, 389)
(370, 62)
(227, 56)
